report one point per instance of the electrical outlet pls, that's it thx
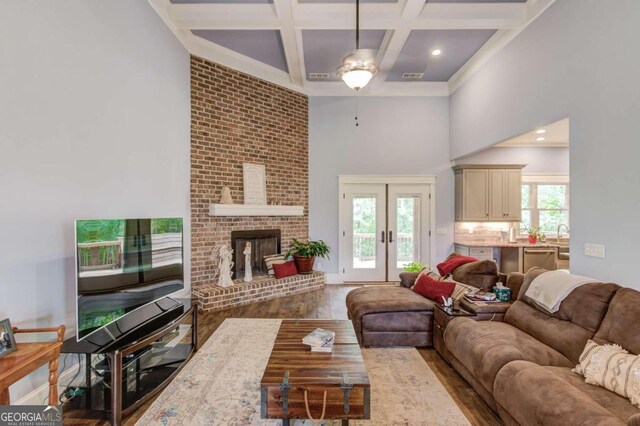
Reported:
(594, 250)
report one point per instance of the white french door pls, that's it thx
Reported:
(365, 233)
(383, 227)
(407, 240)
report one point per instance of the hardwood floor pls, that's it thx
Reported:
(327, 303)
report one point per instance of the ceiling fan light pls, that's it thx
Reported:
(356, 79)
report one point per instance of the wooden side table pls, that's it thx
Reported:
(27, 358)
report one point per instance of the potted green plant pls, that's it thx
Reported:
(413, 267)
(305, 253)
(534, 233)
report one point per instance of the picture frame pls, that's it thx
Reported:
(255, 183)
(7, 340)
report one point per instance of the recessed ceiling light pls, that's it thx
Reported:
(541, 131)
(436, 52)
(539, 139)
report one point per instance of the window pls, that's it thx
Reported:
(545, 202)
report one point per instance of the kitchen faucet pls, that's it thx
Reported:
(565, 227)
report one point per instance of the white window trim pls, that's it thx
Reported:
(545, 178)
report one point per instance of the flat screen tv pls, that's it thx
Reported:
(123, 265)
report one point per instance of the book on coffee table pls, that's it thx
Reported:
(326, 348)
(318, 337)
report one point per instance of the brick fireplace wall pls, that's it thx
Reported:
(237, 118)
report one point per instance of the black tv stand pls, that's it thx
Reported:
(123, 375)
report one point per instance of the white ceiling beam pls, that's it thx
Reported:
(224, 16)
(390, 51)
(338, 88)
(290, 43)
(470, 15)
(385, 16)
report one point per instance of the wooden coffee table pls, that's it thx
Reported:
(336, 383)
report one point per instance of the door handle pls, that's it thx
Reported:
(390, 236)
(542, 251)
(382, 236)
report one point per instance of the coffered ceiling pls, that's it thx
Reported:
(300, 44)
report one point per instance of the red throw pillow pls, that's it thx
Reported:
(433, 289)
(286, 269)
(446, 267)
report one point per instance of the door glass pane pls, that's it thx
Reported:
(408, 208)
(364, 232)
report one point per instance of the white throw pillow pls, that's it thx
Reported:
(612, 368)
(274, 259)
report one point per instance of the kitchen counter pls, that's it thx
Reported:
(501, 244)
(514, 257)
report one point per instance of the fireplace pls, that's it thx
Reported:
(264, 242)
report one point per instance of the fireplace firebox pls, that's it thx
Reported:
(264, 242)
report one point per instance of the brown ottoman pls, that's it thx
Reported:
(390, 316)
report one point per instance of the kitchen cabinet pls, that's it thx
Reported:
(480, 253)
(488, 192)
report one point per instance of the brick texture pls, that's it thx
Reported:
(237, 118)
(213, 298)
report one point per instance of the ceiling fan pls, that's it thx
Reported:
(359, 66)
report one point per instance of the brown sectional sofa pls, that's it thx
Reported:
(396, 316)
(522, 367)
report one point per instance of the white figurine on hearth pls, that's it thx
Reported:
(224, 266)
(248, 276)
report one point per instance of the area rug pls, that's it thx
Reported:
(221, 384)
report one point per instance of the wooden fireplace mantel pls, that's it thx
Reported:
(254, 210)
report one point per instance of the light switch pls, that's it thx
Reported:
(441, 231)
(594, 250)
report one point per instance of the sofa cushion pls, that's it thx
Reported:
(620, 324)
(382, 299)
(569, 329)
(407, 279)
(482, 274)
(398, 321)
(537, 395)
(615, 404)
(433, 289)
(484, 347)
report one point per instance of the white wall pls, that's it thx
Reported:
(396, 136)
(537, 160)
(94, 123)
(579, 59)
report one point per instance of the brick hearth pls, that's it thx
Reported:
(213, 298)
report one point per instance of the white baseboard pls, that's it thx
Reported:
(40, 395)
(333, 279)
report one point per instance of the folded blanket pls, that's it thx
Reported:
(549, 289)
(446, 267)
